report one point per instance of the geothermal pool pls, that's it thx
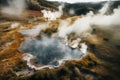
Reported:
(48, 52)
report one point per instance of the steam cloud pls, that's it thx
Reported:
(84, 26)
(53, 15)
(14, 8)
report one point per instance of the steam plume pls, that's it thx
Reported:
(53, 15)
(14, 8)
(83, 26)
